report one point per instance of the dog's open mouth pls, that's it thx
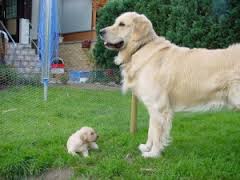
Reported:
(115, 45)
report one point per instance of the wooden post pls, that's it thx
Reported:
(94, 14)
(133, 121)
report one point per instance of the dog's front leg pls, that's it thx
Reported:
(148, 146)
(159, 131)
(85, 153)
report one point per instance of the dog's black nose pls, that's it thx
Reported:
(102, 32)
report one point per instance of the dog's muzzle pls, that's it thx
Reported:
(118, 45)
(110, 45)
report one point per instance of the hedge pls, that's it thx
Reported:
(192, 23)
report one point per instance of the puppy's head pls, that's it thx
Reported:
(128, 27)
(88, 134)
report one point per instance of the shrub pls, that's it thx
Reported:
(191, 23)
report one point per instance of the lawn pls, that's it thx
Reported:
(34, 133)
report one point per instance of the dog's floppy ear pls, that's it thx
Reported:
(142, 27)
(83, 137)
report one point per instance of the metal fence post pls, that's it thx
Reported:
(48, 4)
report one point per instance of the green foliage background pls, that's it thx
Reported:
(191, 23)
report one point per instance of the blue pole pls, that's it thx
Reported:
(48, 38)
(47, 56)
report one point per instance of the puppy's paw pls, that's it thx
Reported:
(144, 148)
(94, 146)
(72, 153)
(85, 154)
(150, 154)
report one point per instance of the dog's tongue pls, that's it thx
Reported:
(117, 45)
(109, 44)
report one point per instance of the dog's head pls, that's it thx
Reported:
(128, 28)
(88, 134)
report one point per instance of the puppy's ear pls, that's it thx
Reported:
(142, 27)
(83, 137)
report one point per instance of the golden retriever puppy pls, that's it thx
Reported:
(81, 141)
(168, 78)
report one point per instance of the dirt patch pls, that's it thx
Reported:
(108, 86)
(95, 86)
(53, 174)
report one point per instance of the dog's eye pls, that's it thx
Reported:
(121, 24)
(92, 133)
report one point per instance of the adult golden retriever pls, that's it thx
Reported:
(168, 78)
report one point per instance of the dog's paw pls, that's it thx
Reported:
(150, 154)
(144, 148)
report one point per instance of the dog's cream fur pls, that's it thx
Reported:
(81, 141)
(169, 78)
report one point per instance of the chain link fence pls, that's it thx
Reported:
(20, 69)
(32, 129)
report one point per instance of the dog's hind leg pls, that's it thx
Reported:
(73, 153)
(234, 95)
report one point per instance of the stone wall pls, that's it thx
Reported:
(23, 58)
(75, 57)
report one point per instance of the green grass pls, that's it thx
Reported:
(33, 137)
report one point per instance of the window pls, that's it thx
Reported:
(76, 16)
(11, 9)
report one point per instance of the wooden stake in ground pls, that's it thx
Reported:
(133, 121)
